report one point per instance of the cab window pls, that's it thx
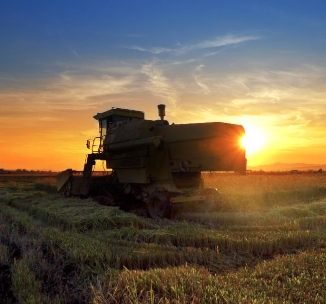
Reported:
(103, 127)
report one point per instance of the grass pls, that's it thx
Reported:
(268, 246)
(286, 279)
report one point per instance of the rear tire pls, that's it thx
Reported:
(213, 200)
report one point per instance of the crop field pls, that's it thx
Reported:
(267, 245)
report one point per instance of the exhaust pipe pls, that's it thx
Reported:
(161, 110)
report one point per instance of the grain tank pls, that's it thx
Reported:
(155, 162)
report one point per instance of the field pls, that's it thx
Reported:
(268, 245)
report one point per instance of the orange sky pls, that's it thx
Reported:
(256, 63)
(47, 129)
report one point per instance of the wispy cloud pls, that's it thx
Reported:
(74, 52)
(283, 98)
(92, 88)
(153, 50)
(222, 41)
(196, 75)
(159, 85)
(215, 42)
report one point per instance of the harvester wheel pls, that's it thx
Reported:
(214, 199)
(158, 205)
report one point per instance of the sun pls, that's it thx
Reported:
(254, 140)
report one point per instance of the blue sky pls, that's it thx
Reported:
(39, 35)
(258, 63)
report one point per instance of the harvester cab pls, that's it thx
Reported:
(154, 162)
(108, 120)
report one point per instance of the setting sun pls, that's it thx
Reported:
(254, 140)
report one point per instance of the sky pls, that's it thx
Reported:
(261, 64)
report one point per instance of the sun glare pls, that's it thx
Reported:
(254, 140)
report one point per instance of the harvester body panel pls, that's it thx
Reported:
(152, 150)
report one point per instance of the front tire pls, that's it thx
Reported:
(158, 205)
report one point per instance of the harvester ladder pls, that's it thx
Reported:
(97, 144)
(87, 175)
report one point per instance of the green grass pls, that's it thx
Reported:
(270, 250)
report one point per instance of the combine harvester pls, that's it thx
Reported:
(154, 162)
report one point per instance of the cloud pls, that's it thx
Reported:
(196, 75)
(159, 85)
(288, 102)
(74, 52)
(216, 42)
(222, 41)
(68, 91)
(279, 94)
(92, 88)
(154, 50)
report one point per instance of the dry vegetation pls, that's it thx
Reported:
(267, 246)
